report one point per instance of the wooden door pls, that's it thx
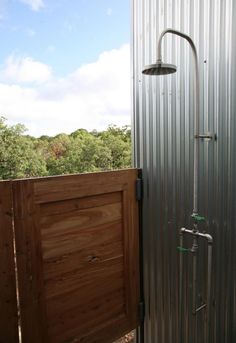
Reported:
(77, 256)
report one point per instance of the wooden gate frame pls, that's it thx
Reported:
(8, 301)
(25, 197)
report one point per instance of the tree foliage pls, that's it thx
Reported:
(82, 151)
(18, 156)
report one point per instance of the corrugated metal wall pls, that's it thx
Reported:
(163, 138)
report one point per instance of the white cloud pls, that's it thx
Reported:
(35, 5)
(92, 97)
(21, 70)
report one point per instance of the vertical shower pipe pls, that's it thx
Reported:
(195, 172)
(196, 113)
(181, 238)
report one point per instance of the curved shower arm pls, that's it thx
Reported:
(196, 108)
(178, 33)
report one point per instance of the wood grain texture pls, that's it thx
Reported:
(30, 264)
(8, 303)
(67, 187)
(77, 247)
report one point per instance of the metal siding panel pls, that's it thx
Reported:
(163, 148)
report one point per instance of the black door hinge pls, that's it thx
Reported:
(139, 189)
(141, 311)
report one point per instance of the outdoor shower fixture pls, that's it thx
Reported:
(160, 68)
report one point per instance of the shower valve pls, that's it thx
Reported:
(197, 218)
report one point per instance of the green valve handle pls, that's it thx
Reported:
(198, 218)
(181, 249)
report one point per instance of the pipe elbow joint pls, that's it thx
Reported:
(182, 230)
(209, 238)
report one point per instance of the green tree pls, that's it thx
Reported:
(55, 154)
(82, 151)
(95, 155)
(18, 156)
(118, 140)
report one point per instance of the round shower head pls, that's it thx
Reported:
(159, 68)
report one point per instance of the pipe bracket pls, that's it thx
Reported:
(208, 136)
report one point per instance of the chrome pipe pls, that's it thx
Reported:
(208, 301)
(194, 251)
(180, 286)
(207, 304)
(196, 109)
(194, 290)
(207, 236)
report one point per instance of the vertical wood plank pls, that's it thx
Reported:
(8, 302)
(29, 263)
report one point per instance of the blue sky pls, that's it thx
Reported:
(51, 47)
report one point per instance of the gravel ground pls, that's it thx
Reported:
(126, 339)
